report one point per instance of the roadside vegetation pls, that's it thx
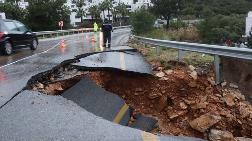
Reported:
(220, 28)
(166, 55)
(142, 21)
(213, 22)
(43, 15)
(39, 15)
(189, 34)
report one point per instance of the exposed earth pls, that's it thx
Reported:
(182, 100)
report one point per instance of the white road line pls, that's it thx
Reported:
(148, 136)
(40, 52)
(122, 61)
(69, 42)
(29, 56)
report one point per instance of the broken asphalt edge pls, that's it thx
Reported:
(83, 68)
(62, 64)
(74, 122)
(65, 63)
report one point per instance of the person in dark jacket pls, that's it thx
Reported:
(107, 28)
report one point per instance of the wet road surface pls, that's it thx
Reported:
(82, 111)
(34, 116)
(127, 60)
(22, 53)
(17, 69)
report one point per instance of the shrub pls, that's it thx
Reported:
(250, 39)
(177, 24)
(188, 34)
(218, 29)
(13, 11)
(142, 20)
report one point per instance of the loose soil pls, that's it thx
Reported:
(172, 97)
(243, 74)
(176, 101)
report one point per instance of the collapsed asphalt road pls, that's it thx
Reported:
(173, 103)
(35, 116)
(15, 73)
(94, 83)
(28, 115)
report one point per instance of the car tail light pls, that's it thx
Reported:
(1, 34)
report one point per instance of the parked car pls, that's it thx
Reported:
(160, 23)
(14, 35)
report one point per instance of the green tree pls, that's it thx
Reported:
(12, 11)
(102, 8)
(207, 12)
(167, 8)
(12, 1)
(122, 10)
(207, 8)
(45, 14)
(115, 13)
(142, 21)
(106, 5)
(80, 9)
(220, 28)
(94, 12)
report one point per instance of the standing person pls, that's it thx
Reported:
(95, 32)
(107, 28)
(95, 27)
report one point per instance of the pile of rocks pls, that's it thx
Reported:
(55, 83)
(217, 111)
(184, 101)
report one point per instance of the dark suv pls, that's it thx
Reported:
(14, 34)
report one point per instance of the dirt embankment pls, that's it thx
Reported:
(240, 72)
(184, 101)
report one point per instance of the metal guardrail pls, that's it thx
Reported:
(44, 34)
(242, 53)
(57, 33)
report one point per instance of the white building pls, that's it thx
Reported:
(73, 8)
(23, 4)
(132, 5)
(2, 16)
(248, 23)
(139, 3)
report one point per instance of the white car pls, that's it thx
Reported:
(160, 23)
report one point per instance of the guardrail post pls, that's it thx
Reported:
(180, 55)
(217, 69)
(158, 50)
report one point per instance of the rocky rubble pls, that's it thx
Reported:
(204, 122)
(218, 135)
(57, 82)
(183, 101)
(230, 107)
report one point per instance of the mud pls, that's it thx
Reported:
(173, 97)
(243, 74)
